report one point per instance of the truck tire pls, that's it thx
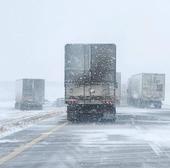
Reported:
(109, 113)
(72, 113)
(158, 105)
(22, 106)
(69, 116)
(16, 105)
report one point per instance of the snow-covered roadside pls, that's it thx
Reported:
(12, 120)
(141, 111)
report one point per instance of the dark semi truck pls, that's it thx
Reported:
(90, 81)
(30, 94)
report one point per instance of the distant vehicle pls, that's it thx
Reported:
(118, 89)
(30, 94)
(124, 94)
(90, 81)
(146, 90)
(60, 102)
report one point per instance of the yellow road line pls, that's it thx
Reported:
(23, 148)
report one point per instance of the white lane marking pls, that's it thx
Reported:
(155, 148)
(23, 148)
(153, 145)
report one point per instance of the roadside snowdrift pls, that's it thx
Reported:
(12, 120)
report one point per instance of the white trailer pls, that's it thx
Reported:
(29, 94)
(118, 89)
(90, 81)
(146, 90)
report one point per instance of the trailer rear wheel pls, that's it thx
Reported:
(109, 113)
(158, 105)
(72, 113)
(82, 113)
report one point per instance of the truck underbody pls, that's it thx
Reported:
(28, 106)
(146, 103)
(91, 112)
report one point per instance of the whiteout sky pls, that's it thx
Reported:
(33, 34)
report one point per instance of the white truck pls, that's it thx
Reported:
(90, 81)
(146, 90)
(118, 89)
(30, 94)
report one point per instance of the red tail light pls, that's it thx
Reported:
(107, 102)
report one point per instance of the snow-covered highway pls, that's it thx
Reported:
(139, 138)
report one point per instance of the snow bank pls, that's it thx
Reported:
(12, 120)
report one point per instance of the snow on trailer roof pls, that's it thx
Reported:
(29, 79)
(90, 44)
(147, 74)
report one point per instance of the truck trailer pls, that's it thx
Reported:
(118, 89)
(30, 94)
(90, 81)
(146, 90)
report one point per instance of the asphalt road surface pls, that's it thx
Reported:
(138, 138)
